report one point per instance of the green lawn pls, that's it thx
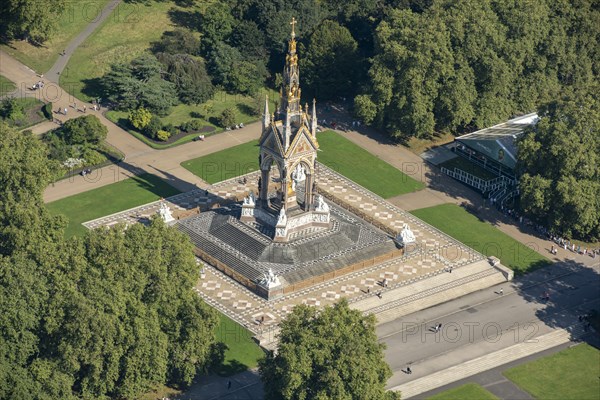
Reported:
(357, 164)
(470, 391)
(225, 164)
(109, 200)
(570, 374)
(242, 351)
(74, 19)
(337, 153)
(6, 85)
(481, 236)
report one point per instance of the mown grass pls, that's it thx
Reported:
(570, 374)
(337, 153)
(469, 391)
(109, 199)
(77, 15)
(482, 236)
(6, 85)
(242, 352)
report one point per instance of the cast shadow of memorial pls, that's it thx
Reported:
(566, 296)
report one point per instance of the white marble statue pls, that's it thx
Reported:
(165, 212)
(299, 175)
(282, 218)
(406, 236)
(250, 200)
(321, 205)
(270, 280)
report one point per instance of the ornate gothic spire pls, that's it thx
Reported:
(266, 115)
(290, 90)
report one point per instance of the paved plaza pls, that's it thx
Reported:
(407, 277)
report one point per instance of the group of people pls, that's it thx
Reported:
(568, 245)
(37, 85)
(238, 126)
(86, 171)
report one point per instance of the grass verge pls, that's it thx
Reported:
(470, 391)
(482, 236)
(570, 374)
(357, 164)
(242, 352)
(6, 85)
(109, 199)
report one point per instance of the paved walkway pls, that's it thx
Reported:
(54, 73)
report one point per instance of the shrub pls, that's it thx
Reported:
(140, 118)
(163, 135)
(192, 125)
(153, 127)
(93, 157)
(227, 118)
(47, 110)
(170, 128)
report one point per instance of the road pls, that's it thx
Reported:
(485, 321)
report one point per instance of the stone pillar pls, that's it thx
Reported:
(309, 196)
(263, 195)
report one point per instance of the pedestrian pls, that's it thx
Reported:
(84, 108)
(552, 249)
(75, 105)
(408, 370)
(379, 294)
(66, 110)
(501, 291)
(228, 385)
(439, 326)
(368, 290)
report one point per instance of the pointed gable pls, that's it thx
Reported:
(302, 143)
(271, 141)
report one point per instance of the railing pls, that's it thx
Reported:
(492, 185)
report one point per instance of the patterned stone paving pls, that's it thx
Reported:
(432, 253)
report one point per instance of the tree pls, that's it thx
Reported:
(247, 77)
(140, 118)
(331, 62)
(140, 84)
(33, 20)
(179, 41)
(364, 108)
(331, 353)
(227, 118)
(189, 76)
(217, 25)
(83, 131)
(559, 160)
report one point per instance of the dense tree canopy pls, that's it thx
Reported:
(105, 315)
(458, 65)
(331, 62)
(560, 163)
(331, 353)
(33, 20)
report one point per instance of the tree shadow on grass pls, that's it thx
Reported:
(229, 368)
(93, 87)
(186, 19)
(245, 109)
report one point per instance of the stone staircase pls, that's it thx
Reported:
(431, 291)
(489, 361)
